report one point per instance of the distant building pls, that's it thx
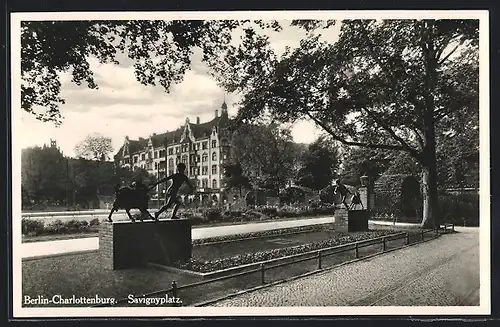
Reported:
(203, 147)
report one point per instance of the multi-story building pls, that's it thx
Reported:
(203, 147)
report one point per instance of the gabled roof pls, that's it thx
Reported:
(158, 140)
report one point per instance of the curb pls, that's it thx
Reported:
(323, 270)
(57, 255)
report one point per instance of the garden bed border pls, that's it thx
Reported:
(238, 269)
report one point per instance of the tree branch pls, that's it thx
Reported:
(353, 143)
(449, 54)
(403, 143)
(419, 136)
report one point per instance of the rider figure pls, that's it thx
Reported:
(178, 179)
(343, 192)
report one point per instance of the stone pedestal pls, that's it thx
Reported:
(124, 244)
(357, 221)
(341, 217)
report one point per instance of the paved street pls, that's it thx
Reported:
(36, 249)
(442, 272)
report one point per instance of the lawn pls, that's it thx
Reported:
(83, 274)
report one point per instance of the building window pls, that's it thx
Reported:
(197, 170)
(204, 145)
(170, 162)
(214, 156)
(205, 183)
(214, 143)
(170, 172)
(136, 159)
(214, 183)
(198, 158)
(204, 170)
(143, 156)
(177, 149)
(184, 159)
(156, 155)
(205, 157)
(156, 165)
(214, 169)
(171, 151)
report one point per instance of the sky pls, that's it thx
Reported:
(123, 107)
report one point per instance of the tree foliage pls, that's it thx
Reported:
(265, 153)
(47, 177)
(94, 147)
(319, 164)
(161, 52)
(234, 178)
(43, 174)
(385, 84)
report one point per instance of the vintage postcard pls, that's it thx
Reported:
(250, 163)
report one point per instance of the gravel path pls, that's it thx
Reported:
(442, 272)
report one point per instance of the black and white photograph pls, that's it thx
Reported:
(250, 163)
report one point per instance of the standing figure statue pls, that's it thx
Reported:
(178, 179)
(343, 191)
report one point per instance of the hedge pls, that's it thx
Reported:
(459, 209)
(31, 227)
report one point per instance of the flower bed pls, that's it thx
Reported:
(205, 216)
(248, 258)
(274, 232)
(34, 227)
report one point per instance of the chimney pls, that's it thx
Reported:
(216, 113)
(197, 120)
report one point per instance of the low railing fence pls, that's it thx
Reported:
(318, 255)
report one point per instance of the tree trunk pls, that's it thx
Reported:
(429, 173)
(428, 155)
(430, 198)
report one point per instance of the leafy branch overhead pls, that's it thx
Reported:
(363, 85)
(161, 51)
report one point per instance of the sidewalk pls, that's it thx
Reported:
(442, 272)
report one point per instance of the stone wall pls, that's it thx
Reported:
(124, 244)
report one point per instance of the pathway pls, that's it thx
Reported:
(442, 272)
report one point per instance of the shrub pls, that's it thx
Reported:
(213, 215)
(269, 211)
(460, 209)
(31, 226)
(94, 222)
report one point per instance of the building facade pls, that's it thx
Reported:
(203, 147)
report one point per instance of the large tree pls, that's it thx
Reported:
(319, 164)
(43, 174)
(94, 147)
(265, 153)
(385, 84)
(161, 51)
(234, 178)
